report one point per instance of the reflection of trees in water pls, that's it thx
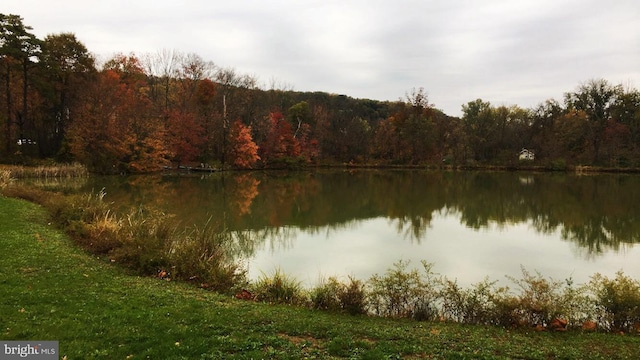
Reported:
(242, 244)
(595, 212)
(277, 238)
(414, 228)
(284, 237)
(244, 189)
(600, 234)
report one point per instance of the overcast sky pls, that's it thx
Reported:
(507, 52)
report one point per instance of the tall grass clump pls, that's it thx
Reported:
(617, 302)
(405, 293)
(199, 255)
(353, 297)
(141, 240)
(5, 178)
(279, 288)
(326, 295)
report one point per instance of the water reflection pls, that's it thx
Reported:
(596, 212)
(474, 222)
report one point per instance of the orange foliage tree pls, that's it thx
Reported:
(243, 152)
(115, 130)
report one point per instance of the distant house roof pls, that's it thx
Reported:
(526, 154)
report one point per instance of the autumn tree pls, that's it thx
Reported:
(97, 137)
(243, 152)
(234, 96)
(309, 147)
(185, 136)
(385, 140)
(116, 130)
(409, 135)
(572, 137)
(279, 146)
(193, 70)
(615, 142)
(208, 118)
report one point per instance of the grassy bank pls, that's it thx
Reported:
(52, 290)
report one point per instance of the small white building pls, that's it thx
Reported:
(527, 155)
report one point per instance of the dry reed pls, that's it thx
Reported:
(74, 170)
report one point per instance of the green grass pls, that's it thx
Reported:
(52, 290)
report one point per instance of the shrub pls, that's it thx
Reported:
(539, 300)
(507, 310)
(559, 164)
(477, 305)
(575, 305)
(403, 293)
(617, 301)
(278, 288)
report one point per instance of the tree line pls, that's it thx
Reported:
(139, 113)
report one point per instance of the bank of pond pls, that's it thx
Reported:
(147, 241)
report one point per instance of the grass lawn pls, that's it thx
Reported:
(52, 290)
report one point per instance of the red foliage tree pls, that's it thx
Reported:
(185, 136)
(279, 143)
(616, 138)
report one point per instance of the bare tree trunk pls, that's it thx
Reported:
(8, 124)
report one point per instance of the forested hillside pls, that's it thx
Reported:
(141, 112)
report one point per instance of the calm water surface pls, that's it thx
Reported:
(469, 224)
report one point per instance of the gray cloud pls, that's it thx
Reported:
(506, 52)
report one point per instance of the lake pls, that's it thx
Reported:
(470, 225)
